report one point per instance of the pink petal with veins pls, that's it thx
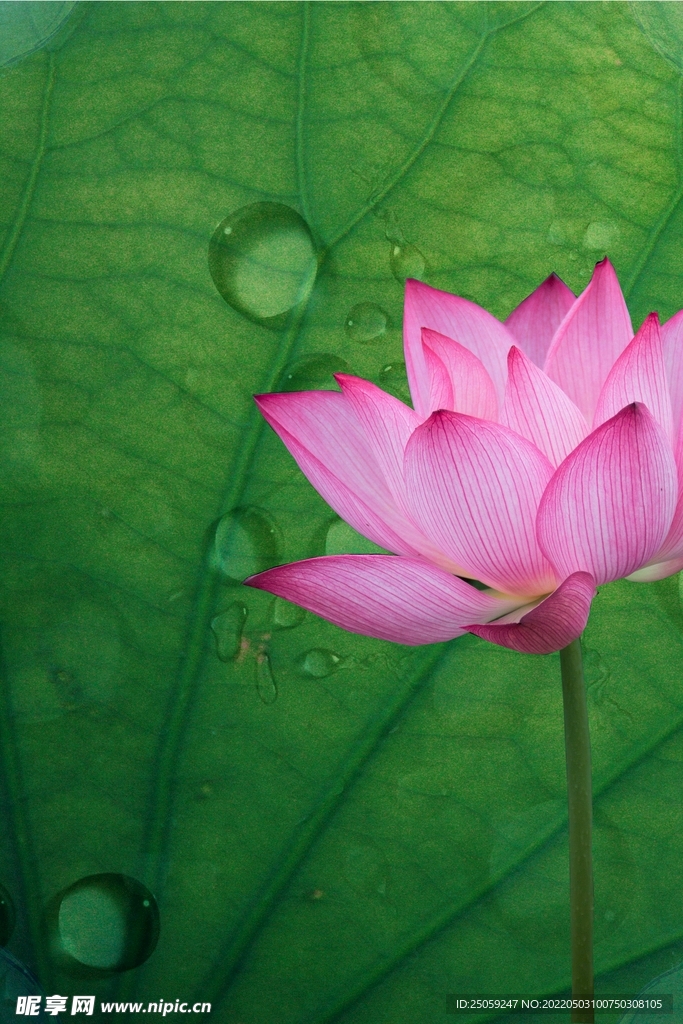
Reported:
(391, 598)
(552, 624)
(474, 488)
(590, 339)
(539, 410)
(608, 507)
(534, 322)
(471, 388)
(459, 319)
(638, 376)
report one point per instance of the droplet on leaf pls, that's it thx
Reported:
(366, 322)
(407, 261)
(287, 615)
(104, 924)
(247, 541)
(320, 663)
(227, 630)
(265, 680)
(263, 260)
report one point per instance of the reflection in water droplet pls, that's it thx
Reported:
(287, 615)
(107, 923)
(342, 539)
(7, 916)
(265, 681)
(263, 260)
(227, 630)
(366, 322)
(394, 379)
(247, 541)
(407, 261)
(314, 372)
(319, 662)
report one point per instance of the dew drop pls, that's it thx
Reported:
(394, 379)
(287, 615)
(342, 539)
(7, 916)
(262, 260)
(247, 541)
(227, 630)
(320, 663)
(407, 261)
(104, 923)
(314, 372)
(266, 686)
(366, 322)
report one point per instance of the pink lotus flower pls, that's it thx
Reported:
(542, 458)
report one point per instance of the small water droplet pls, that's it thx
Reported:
(287, 615)
(247, 541)
(106, 923)
(227, 630)
(407, 261)
(320, 663)
(394, 379)
(314, 372)
(342, 539)
(265, 680)
(366, 322)
(263, 260)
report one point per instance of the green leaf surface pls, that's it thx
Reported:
(335, 828)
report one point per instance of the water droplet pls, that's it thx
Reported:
(394, 379)
(263, 260)
(265, 681)
(342, 539)
(320, 663)
(407, 261)
(314, 372)
(366, 322)
(247, 541)
(287, 615)
(227, 630)
(104, 923)
(7, 916)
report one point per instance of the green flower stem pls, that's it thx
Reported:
(579, 796)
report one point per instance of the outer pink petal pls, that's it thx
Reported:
(535, 320)
(590, 339)
(474, 488)
(608, 507)
(328, 443)
(388, 424)
(552, 624)
(638, 376)
(457, 318)
(472, 390)
(657, 571)
(539, 410)
(400, 599)
(672, 345)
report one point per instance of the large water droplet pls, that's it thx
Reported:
(407, 261)
(263, 260)
(105, 924)
(366, 322)
(314, 373)
(265, 680)
(227, 630)
(287, 615)
(247, 541)
(320, 663)
(342, 539)
(394, 379)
